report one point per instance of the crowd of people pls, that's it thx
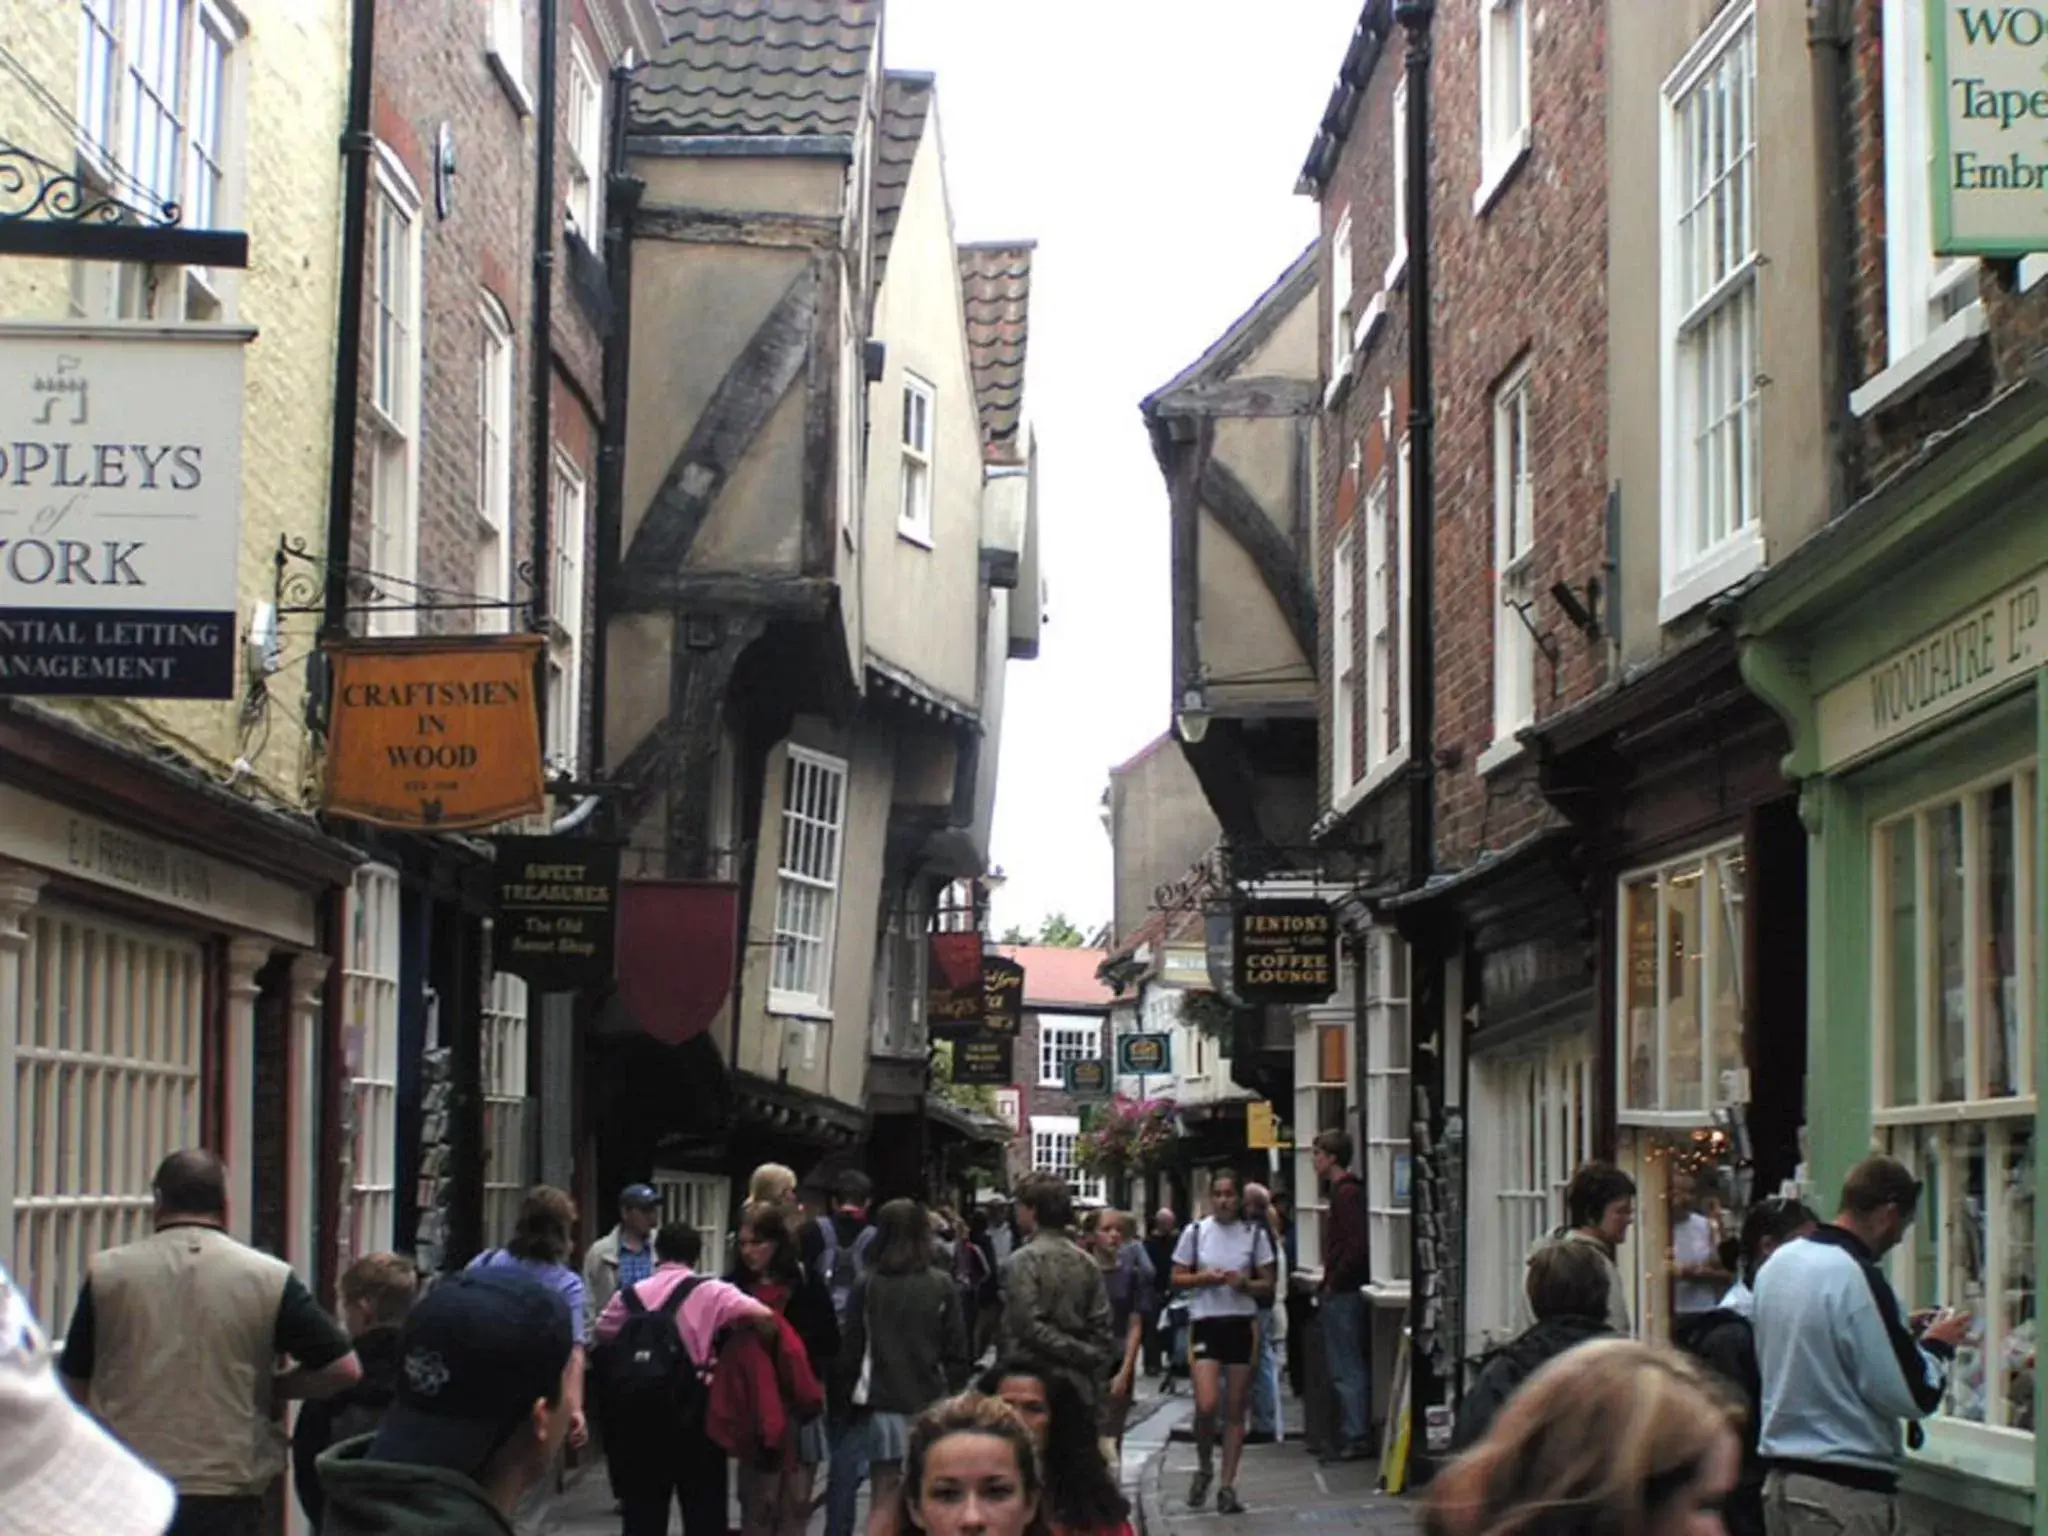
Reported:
(840, 1346)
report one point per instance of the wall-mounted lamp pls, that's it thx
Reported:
(1193, 719)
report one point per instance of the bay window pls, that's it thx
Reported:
(1955, 972)
(1681, 984)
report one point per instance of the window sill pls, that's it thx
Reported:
(911, 535)
(1367, 330)
(1397, 269)
(783, 1005)
(1338, 387)
(1953, 340)
(1496, 180)
(1711, 575)
(1371, 784)
(1503, 753)
(2032, 269)
(509, 81)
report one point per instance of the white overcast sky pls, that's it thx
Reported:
(1151, 150)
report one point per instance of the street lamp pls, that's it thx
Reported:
(1194, 717)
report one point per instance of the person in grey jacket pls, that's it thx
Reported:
(903, 1348)
(1056, 1308)
(1841, 1366)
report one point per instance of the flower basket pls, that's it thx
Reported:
(1130, 1136)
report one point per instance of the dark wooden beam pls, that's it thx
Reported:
(58, 240)
(738, 409)
(689, 225)
(1242, 397)
(699, 676)
(820, 539)
(1183, 461)
(793, 597)
(1280, 566)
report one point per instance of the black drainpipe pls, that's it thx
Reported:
(1429, 1235)
(622, 198)
(357, 145)
(541, 342)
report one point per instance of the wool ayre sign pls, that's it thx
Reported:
(1990, 108)
(1975, 654)
(120, 510)
(435, 733)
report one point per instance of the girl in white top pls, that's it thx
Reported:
(1227, 1266)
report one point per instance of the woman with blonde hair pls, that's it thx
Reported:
(1613, 1438)
(772, 1184)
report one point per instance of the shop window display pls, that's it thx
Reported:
(1954, 972)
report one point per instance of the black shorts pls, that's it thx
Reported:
(1224, 1340)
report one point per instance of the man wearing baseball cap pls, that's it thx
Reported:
(60, 1473)
(481, 1412)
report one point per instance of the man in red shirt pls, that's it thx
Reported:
(1342, 1297)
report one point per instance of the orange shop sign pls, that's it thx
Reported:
(435, 733)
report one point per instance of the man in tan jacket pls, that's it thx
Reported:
(173, 1346)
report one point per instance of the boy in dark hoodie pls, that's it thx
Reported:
(377, 1293)
(1567, 1290)
(481, 1412)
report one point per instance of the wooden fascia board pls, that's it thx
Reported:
(687, 224)
(1248, 398)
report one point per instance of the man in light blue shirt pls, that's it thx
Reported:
(1841, 1367)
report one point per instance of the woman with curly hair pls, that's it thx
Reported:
(970, 1469)
(1613, 1438)
(1081, 1493)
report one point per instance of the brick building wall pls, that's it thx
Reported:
(1520, 280)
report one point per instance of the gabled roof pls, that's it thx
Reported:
(1249, 331)
(1056, 977)
(906, 103)
(1368, 39)
(995, 280)
(758, 68)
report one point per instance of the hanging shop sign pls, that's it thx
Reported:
(1285, 952)
(558, 901)
(1990, 109)
(1262, 1131)
(440, 734)
(984, 1058)
(677, 947)
(1144, 1055)
(120, 511)
(954, 997)
(1995, 645)
(1088, 1078)
(1002, 986)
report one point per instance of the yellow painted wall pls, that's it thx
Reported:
(284, 119)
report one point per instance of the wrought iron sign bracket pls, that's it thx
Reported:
(299, 587)
(47, 211)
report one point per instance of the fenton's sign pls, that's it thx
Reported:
(120, 510)
(1990, 162)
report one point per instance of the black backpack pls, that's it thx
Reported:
(648, 1373)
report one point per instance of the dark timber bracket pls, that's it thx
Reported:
(698, 679)
(1271, 551)
(737, 411)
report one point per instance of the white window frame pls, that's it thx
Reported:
(585, 143)
(1404, 486)
(1342, 299)
(1514, 554)
(807, 876)
(1062, 1039)
(1504, 109)
(1054, 1144)
(505, 48)
(699, 1200)
(902, 959)
(1538, 1104)
(1386, 1114)
(111, 1041)
(1382, 722)
(568, 504)
(494, 466)
(914, 502)
(1311, 1083)
(1721, 873)
(1397, 263)
(370, 974)
(1712, 527)
(394, 390)
(1933, 1130)
(507, 1174)
(1931, 301)
(161, 126)
(1344, 664)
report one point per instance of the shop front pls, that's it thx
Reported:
(1695, 864)
(1904, 649)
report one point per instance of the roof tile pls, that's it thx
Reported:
(1057, 977)
(995, 280)
(758, 68)
(906, 103)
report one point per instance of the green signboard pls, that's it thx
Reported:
(1088, 1078)
(1144, 1055)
